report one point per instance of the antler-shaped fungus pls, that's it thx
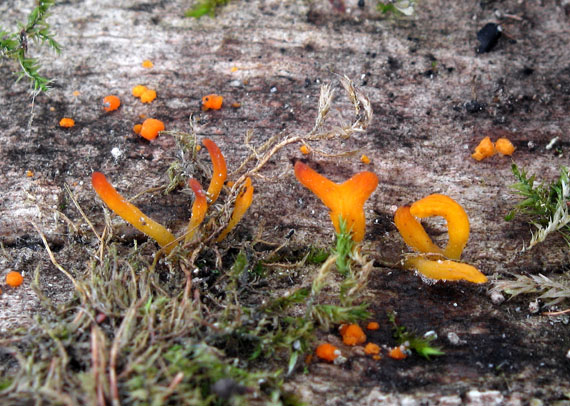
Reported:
(130, 213)
(199, 209)
(243, 201)
(345, 200)
(219, 169)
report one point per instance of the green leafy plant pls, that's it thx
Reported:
(397, 7)
(421, 345)
(204, 7)
(545, 204)
(15, 45)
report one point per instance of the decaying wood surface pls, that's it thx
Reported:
(433, 98)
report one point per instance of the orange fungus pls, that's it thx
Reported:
(199, 209)
(150, 128)
(111, 103)
(147, 64)
(504, 146)
(66, 122)
(484, 149)
(220, 171)
(139, 90)
(373, 325)
(137, 128)
(327, 352)
(364, 159)
(14, 279)
(212, 101)
(130, 213)
(243, 201)
(148, 95)
(305, 150)
(372, 349)
(352, 334)
(397, 353)
(345, 200)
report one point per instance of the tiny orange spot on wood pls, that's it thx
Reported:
(29, 173)
(14, 279)
(111, 103)
(352, 334)
(305, 150)
(484, 149)
(397, 353)
(230, 183)
(212, 101)
(377, 357)
(142, 116)
(76, 93)
(147, 64)
(364, 159)
(327, 352)
(150, 128)
(234, 69)
(137, 128)
(52, 108)
(373, 325)
(138, 90)
(236, 105)
(504, 146)
(372, 349)
(148, 96)
(198, 148)
(66, 122)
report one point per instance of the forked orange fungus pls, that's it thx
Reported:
(345, 200)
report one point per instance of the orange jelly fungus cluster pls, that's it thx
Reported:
(345, 200)
(158, 232)
(130, 213)
(14, 279)
(352, 334)
(486, 148)
(142, 92)
(212, 101)
(150, 128)
(372, 349)
(66, 122)
(111, 103)
(433, 262)
(327, 352)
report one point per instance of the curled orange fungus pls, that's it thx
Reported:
(199, 209)
(111, 103)
(150, 128)
(352, 334)
(345, 200)
(212, 101)
(504, 146)
(130, 213)
(220, 171)
(440, 268)
(14, 279)
(484, 149)
(413, 233)
(445, 269)
(243, 201)
(327, 352)
(66, 122)
(457, 220)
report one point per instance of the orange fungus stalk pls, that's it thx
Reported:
(445, 269)
(219, 169)
(243, 201)
(130, 213)
(199, 209)
(345, 200)
(413, 233)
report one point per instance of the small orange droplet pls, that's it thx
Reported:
(397, 353)
(364, 159)
(148, 96)
(372, 349)
(29, 173)
(138, 90)
(137, 128)
(76, 93)
(373, 325)
(111, 103)
(352, 334)
(66, 122)
(212, 101)
(147, 64)
(150, 128)
(304, 149)
(327, 352)
(234, 69)
(14, 279)
(236, 105)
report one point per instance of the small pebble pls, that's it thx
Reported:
(488, 37)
